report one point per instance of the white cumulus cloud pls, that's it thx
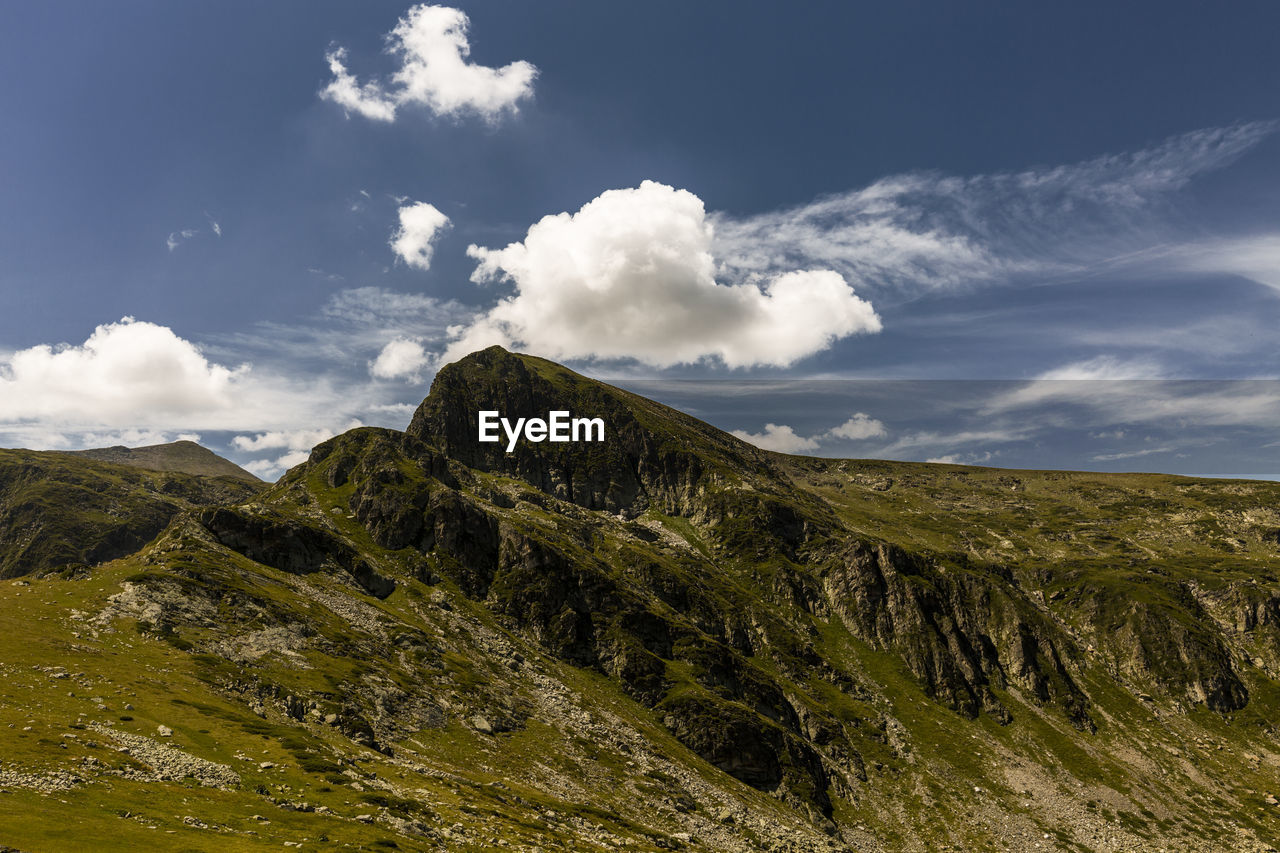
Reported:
(134, 382)
(296, 439)
(122, 368)
(858, 427)
(401, 358)
(631, 276)
(271, 469)
(785, 439)
(435, 72)
(779, 437)
(344, 90)
(420, 224)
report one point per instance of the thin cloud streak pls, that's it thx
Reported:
(915, 233)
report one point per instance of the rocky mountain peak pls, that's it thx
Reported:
(651, 455)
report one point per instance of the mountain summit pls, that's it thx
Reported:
(668, 639)
(652, 454)
(185, 457)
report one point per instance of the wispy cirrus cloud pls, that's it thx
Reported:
(920, 232)
(1167, 403)
(177, 238)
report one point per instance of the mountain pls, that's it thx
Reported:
(185, 457)
(668, 639)
(61, 509)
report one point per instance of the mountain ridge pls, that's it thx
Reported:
(183, 456)
(679, 641)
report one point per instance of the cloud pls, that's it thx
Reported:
(324, 274)
(420, 224)
(918, 232)
(132, 381)
(1133, 454)
(1256, 258)
(122, 368)
(379, 309)
(1105, 367)
(177, 238)
(631, 276)
(344, 90)
(858, 427)
(400, 359)
(785, 439)
(134, 437)
(588, 285)
(963, 458)
(271, 469)
(778, 437)
(297, 439)
(432, 45)
(297, 445)
(917, 441)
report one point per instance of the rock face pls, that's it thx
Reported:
(646, 460)
(960, 632)
(282, 543)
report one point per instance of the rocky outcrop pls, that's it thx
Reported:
(961, 631)
(641, 464)
(1249, 615)
(551, 586)
(1156, 633)
(284, 543)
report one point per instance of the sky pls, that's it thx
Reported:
(260, 224)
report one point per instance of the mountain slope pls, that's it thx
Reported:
(184, 457)
(59, 508)
(668, 640)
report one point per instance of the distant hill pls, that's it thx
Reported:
(184, 457)
(59, 509)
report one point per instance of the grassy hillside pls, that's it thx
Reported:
(183, 457)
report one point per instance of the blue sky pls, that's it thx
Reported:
(303, 208)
